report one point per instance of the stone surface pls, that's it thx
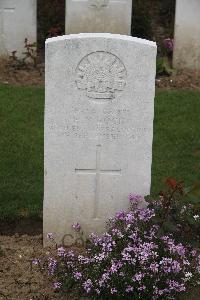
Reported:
(17, 22)
(98, 128)
(113, 16)
(187, 35)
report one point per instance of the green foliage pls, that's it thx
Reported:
(28, 61)
(163, 66)
(178, 211)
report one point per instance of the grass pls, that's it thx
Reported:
(21, 151)
(176, 145)
(176, 148)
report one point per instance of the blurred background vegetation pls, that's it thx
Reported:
(151, 19)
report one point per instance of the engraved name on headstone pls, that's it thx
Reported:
(98, 128)
(113, 16)
(17, 22)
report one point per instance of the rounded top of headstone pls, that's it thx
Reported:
(101, 35)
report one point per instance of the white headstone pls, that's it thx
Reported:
(113, 16)
(98, 128)
(187, 35)
(17, 22)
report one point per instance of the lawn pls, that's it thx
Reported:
(176, 147)
(21, 151)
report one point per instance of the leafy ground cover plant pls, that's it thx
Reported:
(28, 61)
(177, 211)
(132, 260)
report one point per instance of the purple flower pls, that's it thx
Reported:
(142, 288)
(169, 44)
(52, 266)
(193, 252)
(146, 214)
(50, 236)
(129, 289)
(176, 266)
(87, 285)
(154, 267)
(138, 277)
(180, 249)
(57, 285)
(120, 215)
(174, 285)
(70, 254)
(61, 251)
(77, 275)
(117, 232)
(35, 261)
(130, 258)
(130, 217)
(105, 277)
(76, 227)
(113, 290)
(115, 266)
(135, 199)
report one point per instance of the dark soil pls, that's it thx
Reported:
(11, 73)
(21, 227)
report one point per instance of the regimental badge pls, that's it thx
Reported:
(101, 74)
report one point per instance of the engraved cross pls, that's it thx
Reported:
(97, 172)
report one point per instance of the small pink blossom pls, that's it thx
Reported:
(76, 227)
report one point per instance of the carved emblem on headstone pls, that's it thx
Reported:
(98, 4)
(101, 74)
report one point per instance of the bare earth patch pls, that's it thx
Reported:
(184, 80)
(30, 76)
(18, 280)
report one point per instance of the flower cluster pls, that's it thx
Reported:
(130, 261)
(169, 44)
